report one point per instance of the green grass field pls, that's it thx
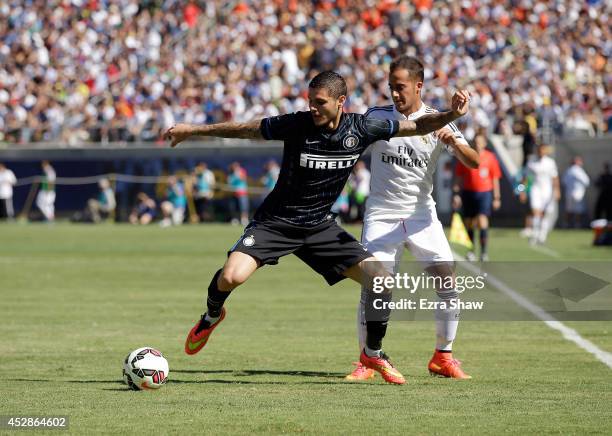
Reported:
(76, 299)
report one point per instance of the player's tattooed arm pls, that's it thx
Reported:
(179, 132)
(432, 122)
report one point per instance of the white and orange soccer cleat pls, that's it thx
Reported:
(360, 373)
(444, 365)
(383, 366)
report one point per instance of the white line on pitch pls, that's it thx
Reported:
(568, 333)
(545, 250)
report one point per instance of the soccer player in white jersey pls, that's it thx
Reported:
(544, 193)
(401, 212)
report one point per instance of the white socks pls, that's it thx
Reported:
(372, 353)
(210, 319)
(447, 321)
(362, 328)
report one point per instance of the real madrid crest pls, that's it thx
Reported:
(249, 241)
(350, 142)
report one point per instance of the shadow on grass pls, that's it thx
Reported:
(251, 372)
(119, 382)
(172, 380)
(240, 374)
(248, 382)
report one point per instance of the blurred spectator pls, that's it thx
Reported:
(7, 181)
(360, 188)
(104, 205)
(123, 70)
(203, 190)
(529, 140)
(237, 180)
(603, 207)
(577, 124)
(173, 208)
(144, 212)
(575, 181)
(272, 170)
(45, 200)
(342, 205)
(268, 180)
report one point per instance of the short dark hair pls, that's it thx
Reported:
(414, 66)
(330, 80)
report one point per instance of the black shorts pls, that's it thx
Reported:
(327, 248)
(476, 203)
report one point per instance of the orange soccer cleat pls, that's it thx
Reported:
(444, 365)
(196, 341)
(360, 373)
(382, 365)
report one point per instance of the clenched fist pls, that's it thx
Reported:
(460, 102)
(178, 133)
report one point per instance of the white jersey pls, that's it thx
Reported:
(7, 181)
(543, 170)
(402, 170)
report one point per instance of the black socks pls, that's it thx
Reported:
(377, 319)
(216, 298)
(484, 234)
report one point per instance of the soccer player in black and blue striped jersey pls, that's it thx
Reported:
(321, 147)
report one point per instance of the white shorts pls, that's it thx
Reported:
(425, 238)
(540, 199)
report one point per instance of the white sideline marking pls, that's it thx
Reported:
(545, 250)
(568, 333)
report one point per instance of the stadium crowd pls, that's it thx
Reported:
(123, 70)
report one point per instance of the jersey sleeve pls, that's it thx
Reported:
(376, 129)
(281, 127)
(457, 134)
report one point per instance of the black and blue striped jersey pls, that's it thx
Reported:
(316, 163)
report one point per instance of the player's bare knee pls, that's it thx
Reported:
(231, 278)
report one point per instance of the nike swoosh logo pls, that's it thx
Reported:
(387, 370)
(193, 345)
(312, 142)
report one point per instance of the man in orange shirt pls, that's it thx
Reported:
(479, 191)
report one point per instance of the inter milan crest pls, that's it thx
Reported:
(350, 142)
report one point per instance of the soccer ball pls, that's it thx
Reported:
(144, 369)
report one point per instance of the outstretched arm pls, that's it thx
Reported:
(179, 132)
(432, 122)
